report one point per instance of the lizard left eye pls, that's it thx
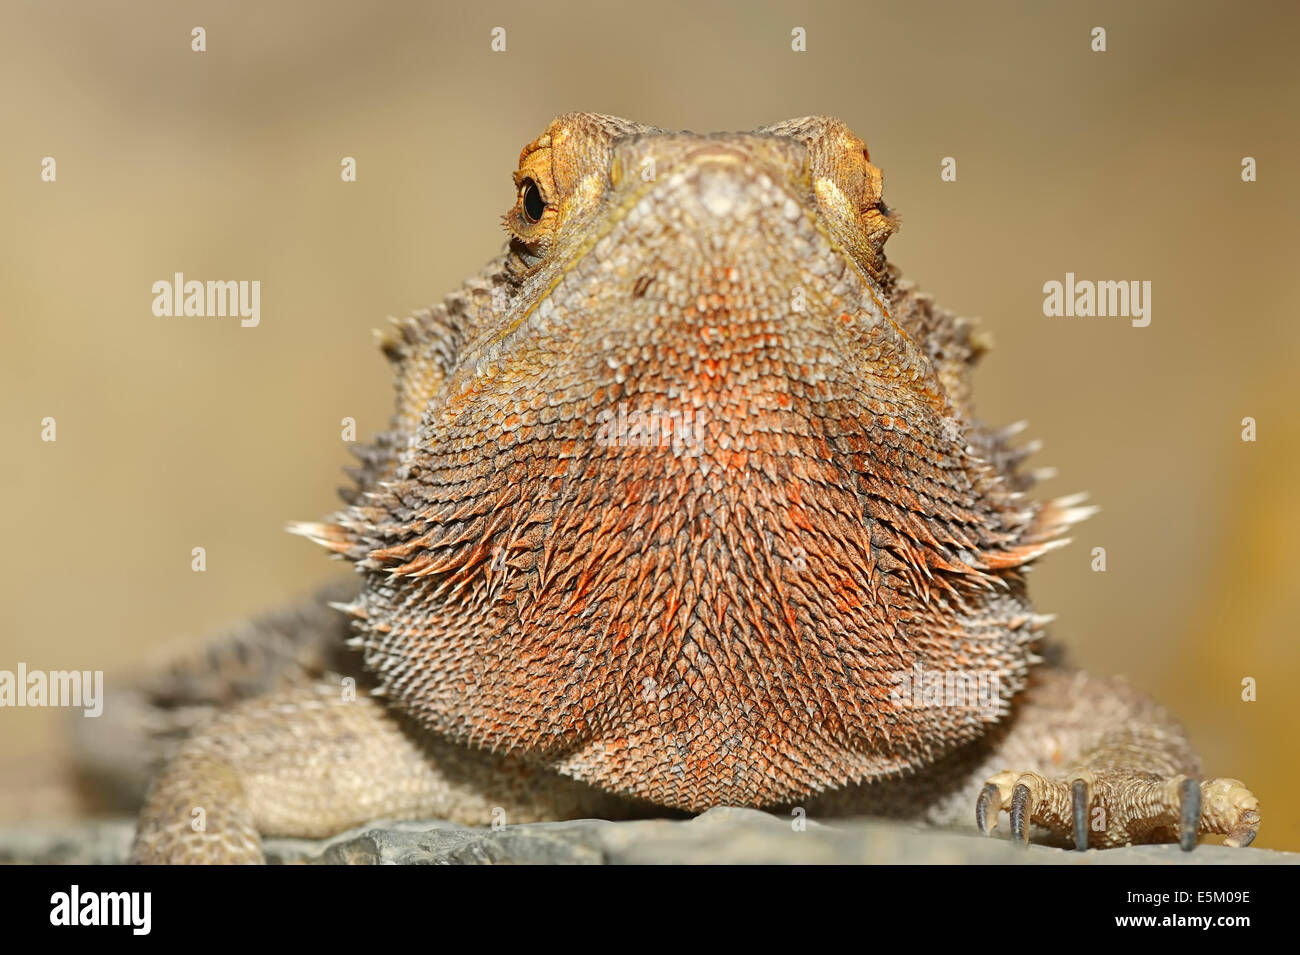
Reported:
(531, 202)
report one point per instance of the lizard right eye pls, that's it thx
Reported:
(531, 202)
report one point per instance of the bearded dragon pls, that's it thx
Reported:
(684, 503)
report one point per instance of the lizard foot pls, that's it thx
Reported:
(1106, 809)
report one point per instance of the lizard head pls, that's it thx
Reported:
(588, 177)
(680, 486)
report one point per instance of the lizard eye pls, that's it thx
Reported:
(531, 202)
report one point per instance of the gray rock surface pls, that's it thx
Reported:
(722, 835)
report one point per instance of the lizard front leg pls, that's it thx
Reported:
(311, 761)
(1088, 761)
(1128, 777)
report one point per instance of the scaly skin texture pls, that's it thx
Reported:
(675, 490)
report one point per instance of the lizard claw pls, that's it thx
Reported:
(1021, 811)
(1079, 792)
(990, 798)
(1189, 796)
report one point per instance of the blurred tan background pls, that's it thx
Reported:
(176, 433)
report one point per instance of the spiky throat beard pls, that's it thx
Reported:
(670, 536)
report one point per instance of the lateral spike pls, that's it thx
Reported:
(352, 609)
(1049, 546)
(1070, 500)
(1075, 515)
(328, 536)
